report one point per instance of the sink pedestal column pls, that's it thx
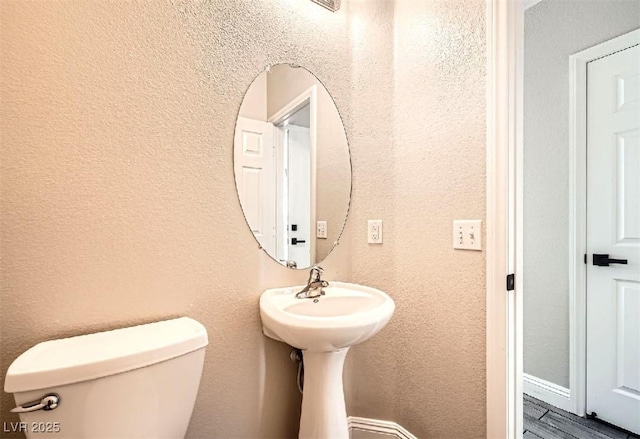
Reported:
(324, 415)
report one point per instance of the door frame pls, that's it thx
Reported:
(504, 28)
(504, 153)
(578, 211)
(309, 95)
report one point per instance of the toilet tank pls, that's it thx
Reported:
(137, 382)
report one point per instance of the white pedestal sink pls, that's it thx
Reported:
(324, 328)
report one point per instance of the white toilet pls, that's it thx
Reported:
(138, 382)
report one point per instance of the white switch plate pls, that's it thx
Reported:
(467, 234)
(321, 229)
(374, 235)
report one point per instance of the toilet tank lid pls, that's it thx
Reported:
(86, 357)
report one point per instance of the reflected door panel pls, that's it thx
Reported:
(254, 166)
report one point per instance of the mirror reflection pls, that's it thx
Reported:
(292, 166)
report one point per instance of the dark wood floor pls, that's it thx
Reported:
(542, 420)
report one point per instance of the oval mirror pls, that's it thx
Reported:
(292, 166)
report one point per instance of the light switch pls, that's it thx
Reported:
(467, 234)
(374, 232)
(321, 229)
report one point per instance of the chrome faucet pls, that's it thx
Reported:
(314, 284)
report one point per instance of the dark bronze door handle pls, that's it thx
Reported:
(604, 260)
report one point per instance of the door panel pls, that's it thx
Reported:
(613, 227)
(628, 337)
(629, 184)
(254, 167)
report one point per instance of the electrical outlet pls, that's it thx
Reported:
(467, 234)
(321, 229)
(374, 232)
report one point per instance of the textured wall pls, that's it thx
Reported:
(418, 145)
(333, 167)
(554, 30)
(118, 199)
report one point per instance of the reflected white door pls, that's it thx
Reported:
(299, 190)
(254, 167)
(613, 228)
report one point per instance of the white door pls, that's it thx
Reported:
(254, 167)
(299, 194)
(613, 228)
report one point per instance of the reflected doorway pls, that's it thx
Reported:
(294, 172)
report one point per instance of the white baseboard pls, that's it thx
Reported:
(378, 426)
(548, 392)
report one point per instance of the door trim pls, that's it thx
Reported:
(311, 95)
(504, 27)
(578, 211)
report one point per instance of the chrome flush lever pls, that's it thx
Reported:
(48, 402)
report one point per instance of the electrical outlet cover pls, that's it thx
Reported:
(374, 232)
(321, 229)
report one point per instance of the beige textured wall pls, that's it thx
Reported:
(418, 145)
(333, 166)
(118, 201)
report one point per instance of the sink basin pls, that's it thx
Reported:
(324, 327)
(347, 314)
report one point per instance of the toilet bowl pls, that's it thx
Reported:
(137, 382)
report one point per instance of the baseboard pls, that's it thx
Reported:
(548, 392)
(378, 426)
